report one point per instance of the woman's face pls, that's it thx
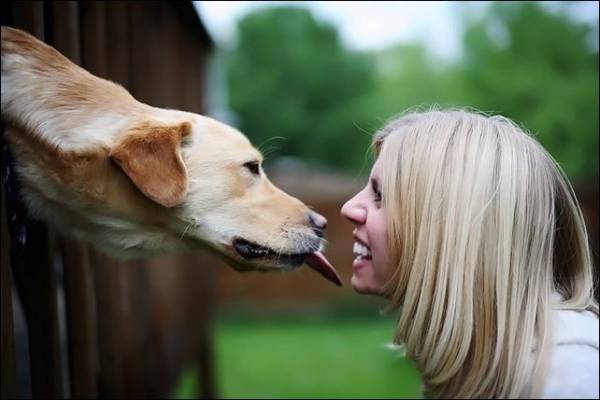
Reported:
(371, 267)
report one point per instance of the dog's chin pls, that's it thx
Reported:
(243, 256)
(230, 256)
(271, 263)
(266, 259)
(242, 265)
(263, 256)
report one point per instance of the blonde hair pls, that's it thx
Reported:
(483, 228)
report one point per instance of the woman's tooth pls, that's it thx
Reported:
(360, 250)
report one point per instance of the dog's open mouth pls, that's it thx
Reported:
(316, 260)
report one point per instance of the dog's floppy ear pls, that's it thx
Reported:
(150, 155)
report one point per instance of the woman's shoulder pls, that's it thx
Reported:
(574, 355)
(574, 327)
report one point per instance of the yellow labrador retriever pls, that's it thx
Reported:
(136, 180)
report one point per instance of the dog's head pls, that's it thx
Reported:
(138, 180)
(209, 180)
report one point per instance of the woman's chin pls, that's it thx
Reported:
(360, 286)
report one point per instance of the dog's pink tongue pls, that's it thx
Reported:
(319, 263)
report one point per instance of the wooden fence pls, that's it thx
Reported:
(94, 326)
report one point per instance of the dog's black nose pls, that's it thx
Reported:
(318, 223)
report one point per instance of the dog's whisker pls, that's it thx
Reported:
(260, 146)
(301, 239)
(188, 226)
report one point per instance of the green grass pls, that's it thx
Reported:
(187, 387)
(308, 358)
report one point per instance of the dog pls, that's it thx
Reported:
(135, 180)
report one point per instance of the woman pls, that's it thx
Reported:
(470, 229)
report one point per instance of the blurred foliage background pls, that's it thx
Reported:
(297, 91)
(290, 76)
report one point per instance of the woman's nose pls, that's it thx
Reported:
(354, 212)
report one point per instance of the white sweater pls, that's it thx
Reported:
(573, 369)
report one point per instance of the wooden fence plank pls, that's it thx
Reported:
(108, 280)
(29, 16)
(107, 272)
(93, 37)
(9, 383)
(117, 39)
(63, 18)
(33, 267)
(81, 320)
(36, 283)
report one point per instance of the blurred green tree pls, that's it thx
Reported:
(290, 77)
(520, 60)
(408, 77)
(538, 68)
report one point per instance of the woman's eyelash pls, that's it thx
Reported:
(377, 195)
(376, 191)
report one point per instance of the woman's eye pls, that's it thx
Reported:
(375, 188)
(253, 167)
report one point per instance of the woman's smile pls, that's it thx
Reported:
(362, 255)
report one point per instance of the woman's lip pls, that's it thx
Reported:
(359, 240)
(360, 263)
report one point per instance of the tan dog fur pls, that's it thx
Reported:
(133, 179)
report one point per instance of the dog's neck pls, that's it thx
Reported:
(66, 188)
(42, 91)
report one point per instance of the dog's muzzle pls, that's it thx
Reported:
(313, 258)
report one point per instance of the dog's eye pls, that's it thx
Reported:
(253, 167)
